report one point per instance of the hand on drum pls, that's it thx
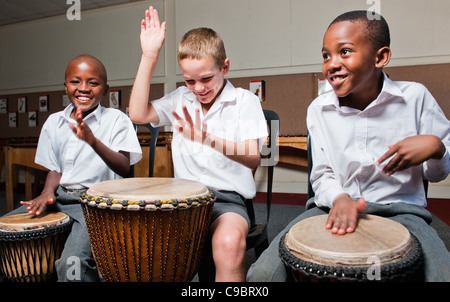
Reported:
(344, 214)
(37, 205)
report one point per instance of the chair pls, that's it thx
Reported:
(257, 235)
(310, 192)
(154, 132)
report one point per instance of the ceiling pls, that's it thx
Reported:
(15, 11)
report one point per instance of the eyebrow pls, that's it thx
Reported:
(340, 44)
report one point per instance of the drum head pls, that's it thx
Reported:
(310, 241)
(144, 188)
(26, 222)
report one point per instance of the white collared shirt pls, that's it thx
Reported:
(60, 150)
(236, 115)
(346, 143)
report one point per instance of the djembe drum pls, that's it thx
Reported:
(29, 245)
(148, 229)
(378, 249)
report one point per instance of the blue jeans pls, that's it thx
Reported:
(76, 262)
(270, 268)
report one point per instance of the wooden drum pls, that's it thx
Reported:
(29, 245)
(148, 229)
(379, 249)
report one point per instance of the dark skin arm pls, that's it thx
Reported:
(119, 162)
(37, 205)
(411, 151)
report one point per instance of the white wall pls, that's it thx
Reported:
(262, 37)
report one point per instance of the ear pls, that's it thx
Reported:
(383, 57)
(226, 67)
(65, 87)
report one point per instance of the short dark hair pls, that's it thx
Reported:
(377, 28)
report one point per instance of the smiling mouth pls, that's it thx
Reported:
(83, 98)
(202, 95)
(338, 78)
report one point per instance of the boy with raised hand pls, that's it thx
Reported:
(218, 141)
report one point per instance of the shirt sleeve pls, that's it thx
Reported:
(323, 179)
(253, 124)
(124, 138)
(434, 122)
(46, 154)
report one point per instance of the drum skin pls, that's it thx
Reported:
(311, 252)
(29, 245)
(148, 229)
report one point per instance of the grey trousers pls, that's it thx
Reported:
(270, 268)
(76, 262)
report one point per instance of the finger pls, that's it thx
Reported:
(176, 116)
(143, 25)
(155, 18)
(187, 117)
(385, 156)
(197, 119)
(361, 205)
(147, 19)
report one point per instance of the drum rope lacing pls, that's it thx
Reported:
(154, 205)
(402, 269)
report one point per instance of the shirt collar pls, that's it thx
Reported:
(228, 94)
(388, 90)
(96, 114)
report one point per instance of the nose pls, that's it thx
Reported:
(334, 63)
(199, 87)
(84, 86)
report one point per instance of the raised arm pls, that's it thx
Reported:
(152, 38)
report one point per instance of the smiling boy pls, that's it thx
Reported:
(373, 141)
(211, 143)
(80, 146)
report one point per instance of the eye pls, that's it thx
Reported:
(207, 79)
(325, 56)
(190, 82)
(94, 84)
(345, 51)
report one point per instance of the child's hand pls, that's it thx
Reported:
(412, 151)
(82, 131)
(344, 215)
(37, 205)
(152, 32)
(190, 130)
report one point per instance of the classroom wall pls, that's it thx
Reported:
(276, 41)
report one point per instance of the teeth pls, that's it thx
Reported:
(338, 78)
(83, 98)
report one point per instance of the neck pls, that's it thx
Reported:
(362, 99)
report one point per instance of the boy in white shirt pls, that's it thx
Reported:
(219, 139)
(373, 141)
(80, 146)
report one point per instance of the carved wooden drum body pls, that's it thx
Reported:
(29, 245)
(148, 229)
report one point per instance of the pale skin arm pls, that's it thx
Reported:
(119, 162)
(245, 153)
(152, 38)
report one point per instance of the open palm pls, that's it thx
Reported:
(152, 32)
